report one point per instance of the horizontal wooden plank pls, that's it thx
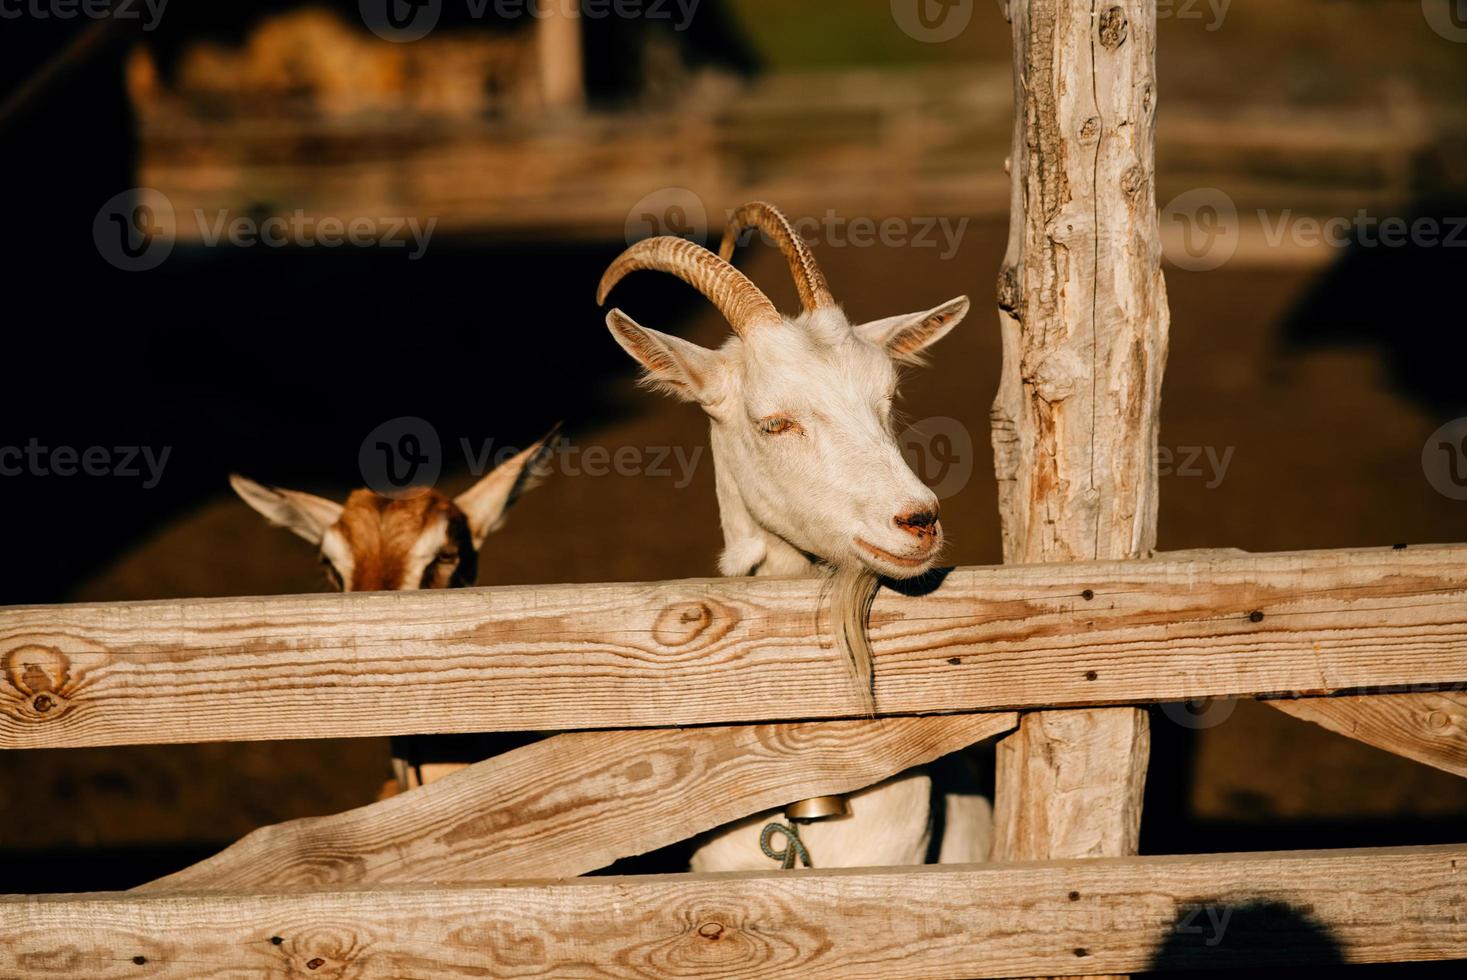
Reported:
(1111, 915)
(576, 802)
(718, 651)
(1429, 728)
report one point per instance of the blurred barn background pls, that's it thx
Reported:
(1304, 378)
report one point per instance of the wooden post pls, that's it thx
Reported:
(558, 47)
(1084, 319)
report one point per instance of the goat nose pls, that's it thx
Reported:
(918, 523)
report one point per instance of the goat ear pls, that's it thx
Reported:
(306, 514)
(486, 502)
(675, 366)
(907, 335)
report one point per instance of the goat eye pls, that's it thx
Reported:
(776, 425)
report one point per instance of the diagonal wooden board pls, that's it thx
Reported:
(1427, 727)
(1257, 912)
(578, 801)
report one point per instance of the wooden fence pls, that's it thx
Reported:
(1372, 643)
(470, 876)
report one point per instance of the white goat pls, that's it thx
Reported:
(809, 478)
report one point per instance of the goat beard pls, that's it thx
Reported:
(852, 590)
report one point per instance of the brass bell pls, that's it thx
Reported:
(816, 808)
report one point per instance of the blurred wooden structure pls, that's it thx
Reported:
(1370, 643)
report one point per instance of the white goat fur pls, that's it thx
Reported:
(824, 484)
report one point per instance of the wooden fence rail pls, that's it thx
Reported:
(576, 802)
(1053, 918)
(720, 651)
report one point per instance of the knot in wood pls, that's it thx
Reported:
(711, 931)
(1008, 291)
(1054, 374)
(1113, 28)
(698, 621)
(1133, 182)
(1090, 131)
(34, 669)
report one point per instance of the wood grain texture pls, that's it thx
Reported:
(1083, 314)
(1082, 300)
(1074, 781)
(1430, 727)
(576, 802)
(1117, 915)
(562, 657)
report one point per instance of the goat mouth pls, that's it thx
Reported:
(914, 561)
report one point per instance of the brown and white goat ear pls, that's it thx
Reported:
(907, 335)
(673, 365)
(306, 514)
(486, 502)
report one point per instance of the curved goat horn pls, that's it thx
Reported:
(809, 280)
(738, 299)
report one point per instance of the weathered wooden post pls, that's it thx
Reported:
(1084, 318)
